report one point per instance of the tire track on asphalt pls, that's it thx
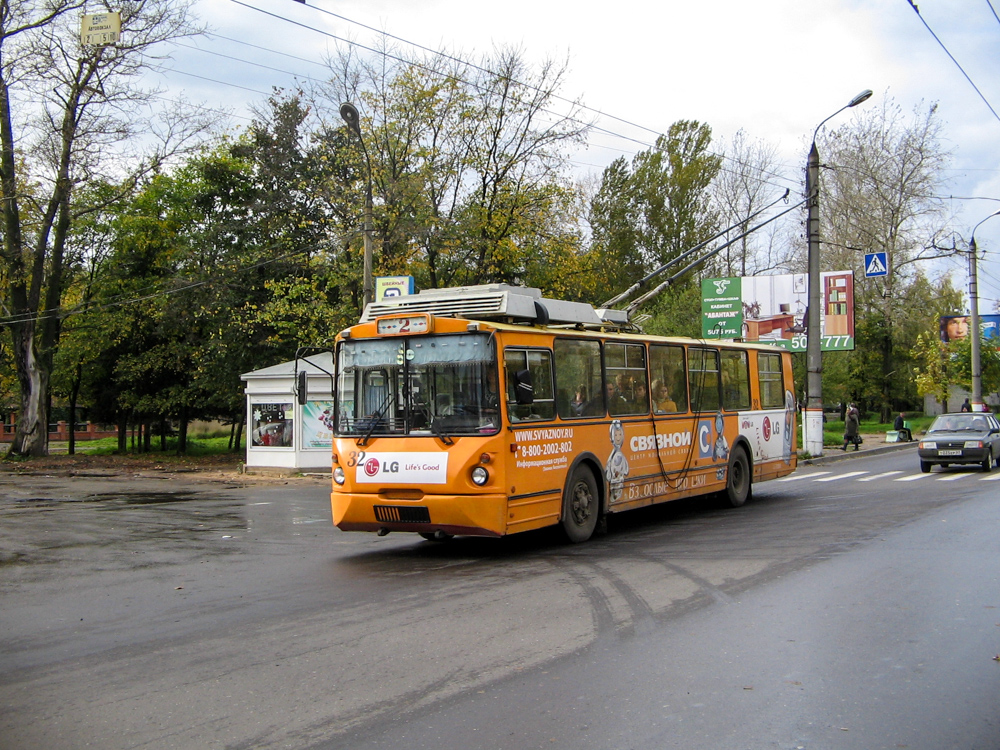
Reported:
(703, 584)
(641, 614)
(600, 606)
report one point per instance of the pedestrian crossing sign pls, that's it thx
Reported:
(875, 265)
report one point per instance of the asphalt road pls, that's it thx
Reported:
(853, 605)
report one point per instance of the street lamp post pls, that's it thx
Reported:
(977, 362)
(813, 427)
(349, 113)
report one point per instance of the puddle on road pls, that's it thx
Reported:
(144, 498)
(121, 498)
(150, 527)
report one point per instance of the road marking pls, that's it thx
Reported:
(883, 475)
(951, 477)
(811, 475)
(990, 478)
(848, 475)
(912, 478)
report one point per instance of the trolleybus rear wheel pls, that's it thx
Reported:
(738, 479)
(580, 506)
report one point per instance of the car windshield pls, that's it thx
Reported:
(422, 385)
(959, 423)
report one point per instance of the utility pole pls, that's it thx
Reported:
(813, 427)
(350, 115)
(813, 423)
(977, 362)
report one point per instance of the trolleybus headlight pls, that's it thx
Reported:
(480, 476)
(338, 475)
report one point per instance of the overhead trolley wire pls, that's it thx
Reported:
(64, 312)
(993, 10)
(593, 127)
(952, 57)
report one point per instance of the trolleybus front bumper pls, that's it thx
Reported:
(470, 515)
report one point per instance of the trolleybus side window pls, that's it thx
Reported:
(531, 369)
(703, 377)
(669, 387)
(578, 364)
(625, 370)
(735, 380)
(772, 391)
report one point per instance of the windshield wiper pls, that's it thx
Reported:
(439, 431)
(433, 423)
(375, 419)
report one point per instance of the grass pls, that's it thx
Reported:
(196, 446)
(833, 431)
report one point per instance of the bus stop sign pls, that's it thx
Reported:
(875, 265)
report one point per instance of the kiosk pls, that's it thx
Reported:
(281, 433)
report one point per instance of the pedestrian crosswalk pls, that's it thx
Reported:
(883, 475)
(891, 476)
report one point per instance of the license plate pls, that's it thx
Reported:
(949, 453)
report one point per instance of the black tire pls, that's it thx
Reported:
(436, 536)
(925, 466)
(988, 461)
(581, 506)
(738, 479)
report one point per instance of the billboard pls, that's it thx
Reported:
(773, 309)
(957, 327)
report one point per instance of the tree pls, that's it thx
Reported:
(650, 211)
(466, 165)
(88, 112)
(90, 246)
(878, 189)
(932, 372)
(741, 189)
(960, 359)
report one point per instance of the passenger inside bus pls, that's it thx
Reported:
(640, 398)
(662, 403)
(616, 400)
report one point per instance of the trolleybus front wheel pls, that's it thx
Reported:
(436, 536)
(738, 478)
(581, 506)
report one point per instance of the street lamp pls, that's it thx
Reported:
(349, 113)
(977, 363)
(813, 432)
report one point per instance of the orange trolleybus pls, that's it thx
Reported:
(490, 410)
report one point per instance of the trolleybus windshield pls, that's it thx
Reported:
(434, 385)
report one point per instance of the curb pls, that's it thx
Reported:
(836, 454)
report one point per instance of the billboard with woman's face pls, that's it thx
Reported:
(954, 327)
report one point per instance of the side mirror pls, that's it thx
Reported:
(524, 391)
(301, 387)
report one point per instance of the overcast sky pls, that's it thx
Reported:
(773, 68)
